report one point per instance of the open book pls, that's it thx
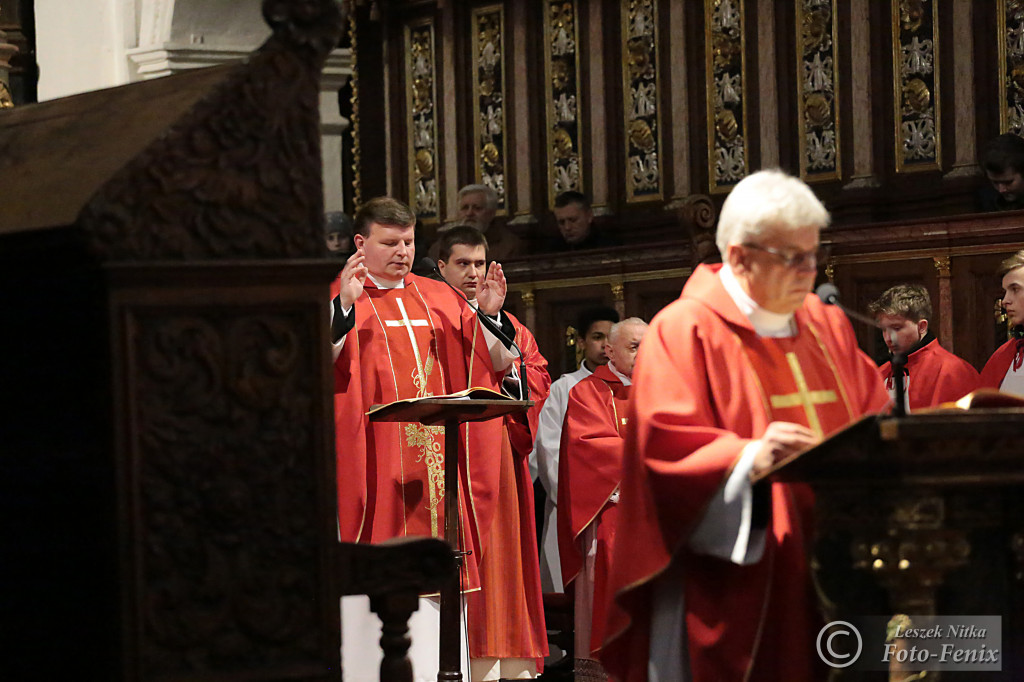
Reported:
(472, 393)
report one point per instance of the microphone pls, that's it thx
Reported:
(829, 295)
(492, 326)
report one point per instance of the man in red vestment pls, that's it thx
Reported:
(932, 375)
(401, 336)
(1005, 369)
(712, 580)
(507, 634)
(589, 471)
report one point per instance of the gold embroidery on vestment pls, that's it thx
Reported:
(432, 454)
(803, 396)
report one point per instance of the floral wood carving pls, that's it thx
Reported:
(239, 176)
(421, 105)
(915, 36)
(562, 95)
(229, 513)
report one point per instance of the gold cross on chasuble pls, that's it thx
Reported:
(804, 396)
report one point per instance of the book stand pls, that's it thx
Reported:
(451, 412)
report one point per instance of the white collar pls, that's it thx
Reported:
(765, 322)
(622, 377)
(386, 283)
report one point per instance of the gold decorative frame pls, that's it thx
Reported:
(357, 181)
(421, 108)
(487, 25)
(817, 40)
(640, 100)
(562, 97)
(915, 61)
(725, 59)
(1011, 67)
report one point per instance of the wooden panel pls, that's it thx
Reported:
(976, 288)
(646, 299)
(557, 309)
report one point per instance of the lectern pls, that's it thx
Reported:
(923, 514)
(451, 412)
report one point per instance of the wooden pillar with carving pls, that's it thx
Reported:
(619, 297)
(945, 302)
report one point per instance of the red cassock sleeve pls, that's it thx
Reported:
(589, 467)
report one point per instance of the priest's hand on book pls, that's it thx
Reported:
(491, 295)
(351, 279)
(781, 440)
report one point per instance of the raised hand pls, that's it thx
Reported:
(351, 279)
(491, 294)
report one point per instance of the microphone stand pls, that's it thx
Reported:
(494, 328)
(899, 369)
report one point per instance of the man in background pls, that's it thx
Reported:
(589, 472)
(506, 629)
(1005, 369)
(1003, 163)
(932, 374)
(338, 234)
(576, 227)
(592, 333)
(477, 206)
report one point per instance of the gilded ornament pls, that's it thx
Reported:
(424, 163)
(726, 51)
(559, 73)
(916, 95)
(641, 135)
(6, 99)
(490, 156)
(422, 94)
(816, 31)
(817, 109)
(1017, 78)
(487, 86)
(911, 14)
(562, 145)
(639, 58)
(726, 125)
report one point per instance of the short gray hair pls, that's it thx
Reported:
(490, 196)
(767, 199)
(629, 321)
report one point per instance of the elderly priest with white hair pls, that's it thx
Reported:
(747, 367)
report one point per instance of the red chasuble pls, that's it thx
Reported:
(934, 375)
(412, 342)
(1010, 353)
(506, 617)
(704, 386)
(589, 471)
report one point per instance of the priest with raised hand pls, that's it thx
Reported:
(506, 630)
(397, 336)
(712, 580)
(589, 472)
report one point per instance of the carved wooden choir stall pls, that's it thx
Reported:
(167, 459)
